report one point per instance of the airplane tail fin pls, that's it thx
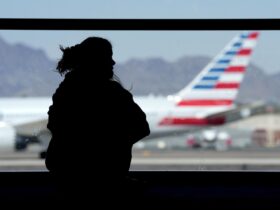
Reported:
(218, 83)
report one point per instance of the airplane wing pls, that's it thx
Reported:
(231, 115)
(238, 113)
(32, 128)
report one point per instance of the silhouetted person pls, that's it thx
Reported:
(94, 123)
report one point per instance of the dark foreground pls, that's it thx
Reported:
(155, 190)
(177, 180)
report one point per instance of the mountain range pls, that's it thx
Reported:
(29, 72)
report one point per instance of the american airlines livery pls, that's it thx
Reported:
(208, 100)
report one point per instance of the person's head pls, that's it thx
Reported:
(93, 55)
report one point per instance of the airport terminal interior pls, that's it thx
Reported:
(208, 87)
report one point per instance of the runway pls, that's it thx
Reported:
(169, 160)
(245, 160)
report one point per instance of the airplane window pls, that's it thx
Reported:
(210, 96)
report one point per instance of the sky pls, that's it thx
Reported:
(170, 45)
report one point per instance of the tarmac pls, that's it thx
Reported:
(166, 160)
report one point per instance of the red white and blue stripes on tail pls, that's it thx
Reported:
(215, 88)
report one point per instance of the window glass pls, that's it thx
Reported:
(163, 63)
(155, 66)
(140, 9)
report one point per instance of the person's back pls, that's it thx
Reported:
(93, 120)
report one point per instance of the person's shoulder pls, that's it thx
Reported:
(117, 87)
(64, 86)
(115, 84)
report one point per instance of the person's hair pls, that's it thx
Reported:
(92, 51)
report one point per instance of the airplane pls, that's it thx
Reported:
(207, 100)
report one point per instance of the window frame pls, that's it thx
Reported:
(138, 24)
(76, 24)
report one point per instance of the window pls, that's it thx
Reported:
(138, 46)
